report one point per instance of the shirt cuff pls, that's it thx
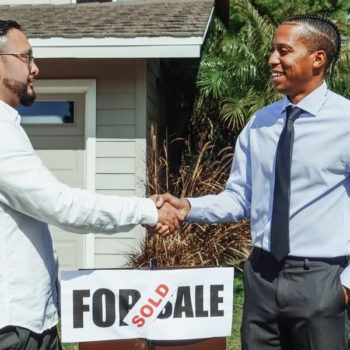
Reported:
(345, 277)
(149, 212)
(194, 212)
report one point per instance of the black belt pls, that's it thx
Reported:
(263, 254)
(337, 260)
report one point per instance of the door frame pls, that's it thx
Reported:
(88, 88)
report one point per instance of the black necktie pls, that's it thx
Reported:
(280, 211)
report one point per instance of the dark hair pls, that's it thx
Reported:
(5, 26)
(324, 33)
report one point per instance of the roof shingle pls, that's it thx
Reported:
(147, 18)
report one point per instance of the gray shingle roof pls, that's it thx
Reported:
(146, 18)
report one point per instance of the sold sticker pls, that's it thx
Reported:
(149, 306)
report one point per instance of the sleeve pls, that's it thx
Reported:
(27, 186)
(234, 202)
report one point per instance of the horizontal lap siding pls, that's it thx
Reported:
(120, 136)
(115, 157)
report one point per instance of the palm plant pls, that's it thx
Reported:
(234, 79)
(233, 74)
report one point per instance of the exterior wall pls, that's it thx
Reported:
(153, 105)
(121, 137)
(36, 2)
(41, 2)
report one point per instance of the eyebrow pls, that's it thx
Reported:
(282, 45)
(28, 51)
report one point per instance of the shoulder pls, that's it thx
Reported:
(262, 119)
(268, 115)
(273, 108)
(337, 105)
(12, 136)
(336, 98)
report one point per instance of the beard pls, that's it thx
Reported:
(21, 91)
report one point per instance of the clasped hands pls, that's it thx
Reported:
(172, 212)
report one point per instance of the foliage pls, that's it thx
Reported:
(234, 341)
(194, 244)
(234, 78)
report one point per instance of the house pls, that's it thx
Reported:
(99, 97)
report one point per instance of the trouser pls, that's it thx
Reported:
(18, 338)
(293, 305)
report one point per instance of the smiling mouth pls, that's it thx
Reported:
(276, 74)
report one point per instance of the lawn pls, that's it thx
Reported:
(234, 342)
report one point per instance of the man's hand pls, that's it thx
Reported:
(346, 295)
(181, 204)
(172, 211)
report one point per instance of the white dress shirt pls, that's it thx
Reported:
(320, 183)
(31, 197)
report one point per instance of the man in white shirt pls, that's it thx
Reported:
(30, 198)
(296, 293)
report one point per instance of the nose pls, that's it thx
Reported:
(34, 70)
(273, 60)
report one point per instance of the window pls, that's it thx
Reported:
(48, 112)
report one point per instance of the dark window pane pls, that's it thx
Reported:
(47, 112)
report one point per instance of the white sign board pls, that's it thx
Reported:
(153, 304)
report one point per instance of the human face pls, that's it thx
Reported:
(17, 73)
(295, 70)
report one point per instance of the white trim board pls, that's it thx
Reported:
(161, 47)
(87, 87)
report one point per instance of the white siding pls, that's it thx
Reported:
(120, 138)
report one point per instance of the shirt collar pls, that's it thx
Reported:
(312, 102)
(11, 114)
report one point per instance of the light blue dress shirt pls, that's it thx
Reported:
(320, 183)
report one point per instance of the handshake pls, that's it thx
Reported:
(172, 212)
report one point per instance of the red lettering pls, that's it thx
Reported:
(162, 290)
(146, 311)
(138, 321)
(154, 303)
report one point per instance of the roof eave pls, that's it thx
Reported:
(139, 47)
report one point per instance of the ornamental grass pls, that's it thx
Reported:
(193, 244)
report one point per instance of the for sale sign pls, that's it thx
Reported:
(152, 304)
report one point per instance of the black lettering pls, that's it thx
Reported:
(183, 303)
(127, 299)
(215, 300)
(79, 307)
(200, 312)
(98, 306)
(166, 312)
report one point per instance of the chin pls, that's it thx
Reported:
(282, 90)
(28, 99)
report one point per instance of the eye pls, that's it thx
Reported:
(283, 51)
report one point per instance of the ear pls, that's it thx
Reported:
(320, 59)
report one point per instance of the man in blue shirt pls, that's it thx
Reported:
(295, 298)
